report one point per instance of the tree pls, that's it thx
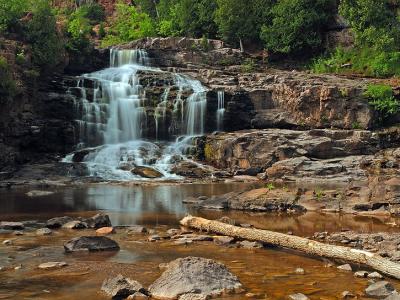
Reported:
(42, 34)
(10, 12)
(239, 21)
(298, 25)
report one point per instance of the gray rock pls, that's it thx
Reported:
(75, 225)
(136, 229)
(223, 240)
(121, 287)
(361, 274)
(379, 289)
(91, 243)
(44, 231)
(250, 245)
(298, 296)
(58, 222)
(394, 296)
(375, 275)
(194, 275)
(12, 226)
(99, 221)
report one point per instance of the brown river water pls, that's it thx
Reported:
(268, 273)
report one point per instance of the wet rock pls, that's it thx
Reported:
(7, 242)
(223, 240)
(99, 221)
(121, 287)
(146, 172)
(138, 296)
(154, 238)
(190, 170)
(37, 193)
(53, 265)
(379, 289)
(136, 229)
(91, 243)
(361, 274)
(185, 275)
(18, 233)
(375, 275)
(347, 295)
(345, 267)
(58, 222)
(250, 245)
(173, 231)
(44, 231)
(298, 296)
(75, 225)
(12, 226)
(105, 231)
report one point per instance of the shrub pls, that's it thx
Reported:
(10, 13)
(20, 58)
(381, 98)
(7, 84)
(248, 66)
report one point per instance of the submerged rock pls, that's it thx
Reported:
(194, 275)
(99, 221)
(121, 287)
(146, 172)
(91, 243)
(380, 289)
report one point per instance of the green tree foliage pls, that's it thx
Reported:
(382, 99)
(242, 20)
(148, 6)
(10, 12)
(42, 34)
(298, 25)
(129, 24)
(7, 84)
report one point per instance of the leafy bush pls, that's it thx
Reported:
(7, 84)
(20, 58)
(297, 25)
(129, 25)
(94, 13)
(47, 47)
(382, 99)
(248, 66)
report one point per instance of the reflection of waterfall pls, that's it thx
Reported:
(113, 110)
(220, 110)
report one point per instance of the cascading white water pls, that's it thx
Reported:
(112, 105)
(220, 110)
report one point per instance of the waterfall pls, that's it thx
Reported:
(114, 113)
(220, 110)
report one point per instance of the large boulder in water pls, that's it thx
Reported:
(194, 275)
(146, 172)
(58, 222)
(99, 221)
(91, 243)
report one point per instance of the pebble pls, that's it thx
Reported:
(361, 274)
(298, 296)
(44, 231)
(19, 267)
(7, 242)
(375, 275)
(154, 238)
(347, 295)
(18, 233)
(300, 271)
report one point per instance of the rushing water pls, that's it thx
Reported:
(269, 272)
(113, 118)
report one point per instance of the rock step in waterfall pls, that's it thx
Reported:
(113, 108)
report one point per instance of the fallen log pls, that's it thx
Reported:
(372, 260)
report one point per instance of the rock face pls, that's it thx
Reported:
(194, 275)
(146, 172)
(119, 287)
(91, 243)
(264, 199)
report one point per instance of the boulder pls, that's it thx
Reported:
(91, 243)
(186, 275)
(58, 222)
(76, 224)
(379, 289)
(12, 226)
(121, 287)
(98, 221)
(146, 172)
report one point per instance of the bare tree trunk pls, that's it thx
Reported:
(310, 247)
(241, 45)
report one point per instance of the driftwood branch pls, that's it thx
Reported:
(372, 260)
